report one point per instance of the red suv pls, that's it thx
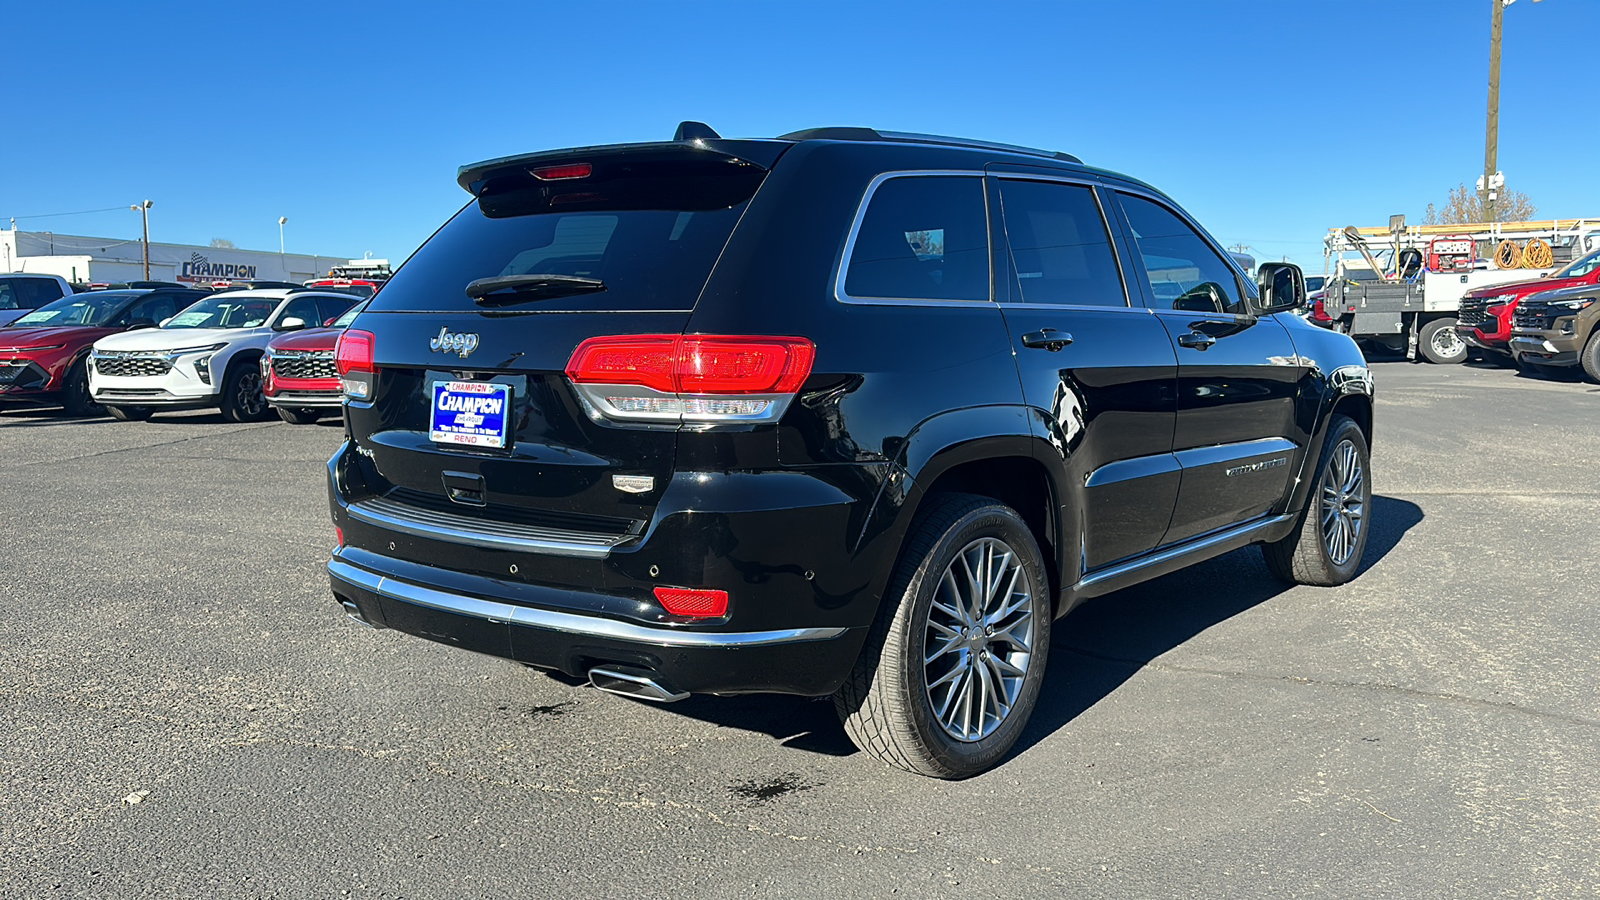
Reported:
(297, 371)
(1485, 317)
(42, 354)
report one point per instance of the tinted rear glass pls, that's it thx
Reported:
(922, 238)
(652, 237)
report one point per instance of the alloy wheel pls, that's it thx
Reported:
(249, 397)
(1343, 503)
(979, 639)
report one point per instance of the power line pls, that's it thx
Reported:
(81, 212)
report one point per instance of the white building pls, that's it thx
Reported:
(109, 260)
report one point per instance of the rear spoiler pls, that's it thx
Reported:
(762, 154)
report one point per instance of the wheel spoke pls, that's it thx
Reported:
(1003, 666)
(945, 711)
(1019, 633)
(948, 646)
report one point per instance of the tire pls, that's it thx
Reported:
(1439, 343)
(1327, 545)
(75, 397)
(242, 400)
(1590, 357)
(130, 413)
(299, 416)
(887, 704)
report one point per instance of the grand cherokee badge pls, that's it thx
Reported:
(459, 344)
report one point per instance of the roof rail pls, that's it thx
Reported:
(872, 134)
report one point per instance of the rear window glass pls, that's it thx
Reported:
(922, 238)
(1059, 245)
(651, 235)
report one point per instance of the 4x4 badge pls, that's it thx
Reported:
(459, 344)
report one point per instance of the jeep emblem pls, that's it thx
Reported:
(459, 344)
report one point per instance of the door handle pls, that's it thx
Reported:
(1196, 340)
(1048, 339)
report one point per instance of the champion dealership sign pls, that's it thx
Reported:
(198, 268)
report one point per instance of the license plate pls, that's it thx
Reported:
(473, 413)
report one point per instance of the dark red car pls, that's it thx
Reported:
(1485, 318)
(42, 353)
(297, 371)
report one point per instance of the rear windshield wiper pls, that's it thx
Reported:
(507, 289)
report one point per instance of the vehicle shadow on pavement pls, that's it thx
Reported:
(1094, 650)
(1109, 639)
(47, 418)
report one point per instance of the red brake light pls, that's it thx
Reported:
(695, 364)
(354, 351)
(563, 173)
(699, 604)
(642, 359)
(743, 365)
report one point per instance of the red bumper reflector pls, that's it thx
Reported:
(339, 533)
(696, 603)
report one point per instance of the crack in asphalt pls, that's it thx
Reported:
(1357, 685)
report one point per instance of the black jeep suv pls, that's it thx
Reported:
(843, 412)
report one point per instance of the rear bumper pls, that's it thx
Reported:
(801, 600)
(795, 661)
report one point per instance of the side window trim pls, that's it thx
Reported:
(843, 296)
(1113, 235)
(1249, 296)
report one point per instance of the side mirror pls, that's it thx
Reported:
(292, 323)
(1283, 286)
(137, 324)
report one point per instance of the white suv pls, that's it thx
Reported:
(206, 355)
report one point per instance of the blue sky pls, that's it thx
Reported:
(1270, 120)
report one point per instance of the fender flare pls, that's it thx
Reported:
(934, 447)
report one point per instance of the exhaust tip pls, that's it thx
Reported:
(634, 684)
(353, 612)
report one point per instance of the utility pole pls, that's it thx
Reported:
(144, 212)
(1492, 137)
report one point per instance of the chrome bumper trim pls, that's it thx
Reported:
(442, 526)
(568, 623)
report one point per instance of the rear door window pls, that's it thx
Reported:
(923, 237)
(1060, 248)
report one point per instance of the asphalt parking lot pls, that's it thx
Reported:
(1432, 729)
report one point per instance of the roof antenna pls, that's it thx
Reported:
(696, 131)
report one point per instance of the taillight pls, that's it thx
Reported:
(697, 604)
(353, 356)
(690, 378)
